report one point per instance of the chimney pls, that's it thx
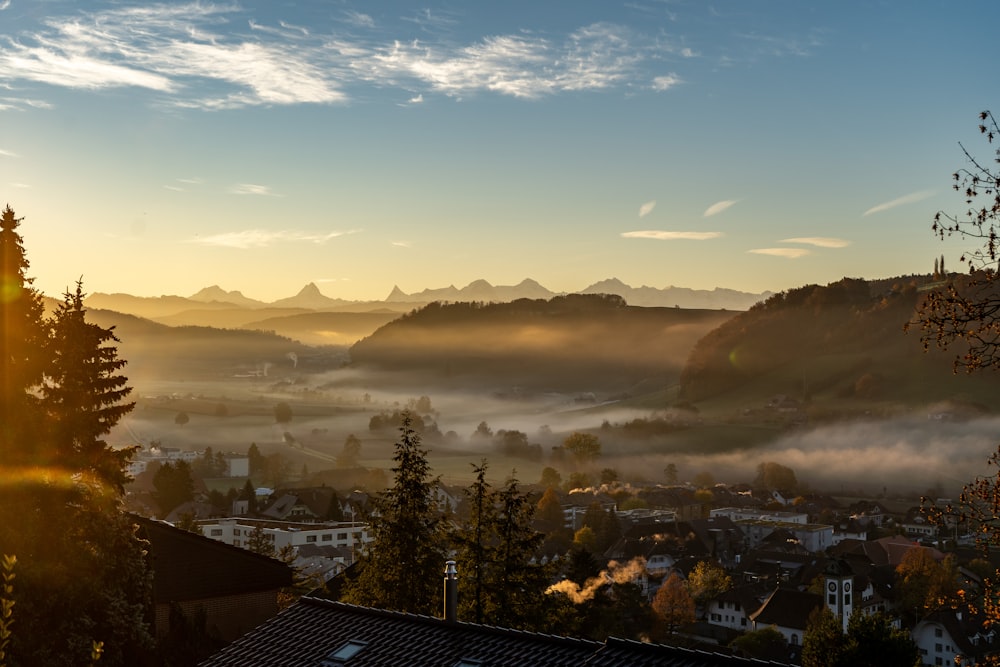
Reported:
(450, 592)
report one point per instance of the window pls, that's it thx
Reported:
(717, 618)
(795, 639)
(236, 543)
(847, 598)
(327, 537)
(743, 621)
(832, 599)
(236, 532)
(343, 654)
(310, 538)
(937, 632)
(938, 648)
(736, 606)
(216, 532)
(341, 537)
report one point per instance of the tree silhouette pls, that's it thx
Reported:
(84, 393)
(61, 392)
(967, 309)
(401, 569)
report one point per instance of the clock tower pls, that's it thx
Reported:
(839, 591)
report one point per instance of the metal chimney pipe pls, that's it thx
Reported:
(450, 592)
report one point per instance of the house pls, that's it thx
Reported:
(954, 637)
(333, 634)
(236, 589)
(788, 611)
(732, 608)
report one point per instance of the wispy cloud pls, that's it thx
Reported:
(19, 185)
(359, 19)
(4, 5)
(789, 253)
(214, 56)
(661, 235)
(819, 241)
(900, 201)
(666, 82)
(5, 153)
(647, 208)
(175, 188)
(718, 207)
(401, 244)
(252, 189)
(261, 238)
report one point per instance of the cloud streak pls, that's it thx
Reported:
(818, 241)
(262, 238)
(647, 208)
(252, 189)
(661, 235)
(788, 253)
(911, 198)
(718, 207)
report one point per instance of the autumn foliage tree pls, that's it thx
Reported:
(673, 606)
(967, 309)
(965, 312)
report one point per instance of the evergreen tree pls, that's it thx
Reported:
(517, 582)
(60, 393)
(475, 547)
(84, 394)
(402, 567)
(22, 338)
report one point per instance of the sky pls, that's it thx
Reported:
(757, 145)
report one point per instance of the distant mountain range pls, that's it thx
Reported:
(314, 318)
(310, 298)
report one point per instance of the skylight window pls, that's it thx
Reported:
(343, 654)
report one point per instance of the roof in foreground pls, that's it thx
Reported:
(323, 633)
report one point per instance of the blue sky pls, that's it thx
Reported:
(756, 145)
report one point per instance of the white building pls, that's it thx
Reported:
(236, 531)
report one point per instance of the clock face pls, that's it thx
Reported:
(832, 586)
(847, 587)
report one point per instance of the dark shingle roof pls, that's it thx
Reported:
(787, 608)
(309, 633)
(188, 566)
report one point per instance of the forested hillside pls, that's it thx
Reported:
(844, 340)
(568, 343)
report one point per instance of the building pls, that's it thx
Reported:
(236, 531)
(333, 634)
(235, 589)
(954, 637)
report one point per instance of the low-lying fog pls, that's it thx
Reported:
(910, 454)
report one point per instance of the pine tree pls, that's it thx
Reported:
(60, 393)
(402, 566)
(475, 548)
(85, 394)
(22, 341)
(517, 582)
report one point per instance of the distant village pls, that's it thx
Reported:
(784, 554)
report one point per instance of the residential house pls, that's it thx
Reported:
(788, 611)
(954, 637)
(236, 589)
(333, 634)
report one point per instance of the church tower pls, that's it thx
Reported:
(838, 582)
